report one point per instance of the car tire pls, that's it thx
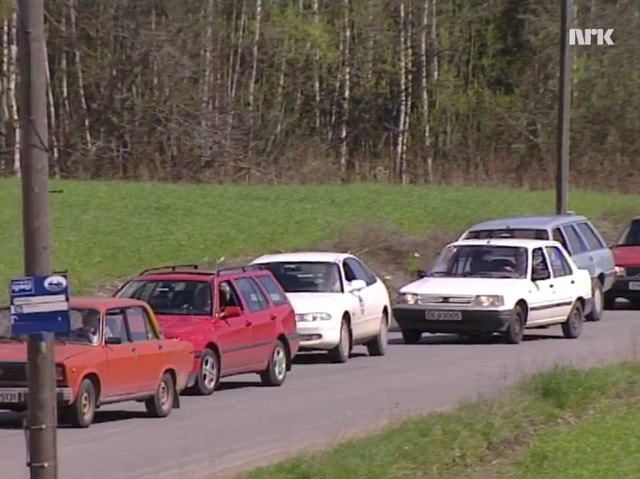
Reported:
(340, 353)
(161, 403)
(411, 336)
(378, 345)
(598, 303)
(515, 329)
(82, 412)
(208, 374)
(572, 327)
(276, 371)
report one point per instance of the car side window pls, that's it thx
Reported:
(357, 271)
(559, 236)
(252, 295)
(114, 325)
(139, 327)
(228, 296)
(559, 264)
(590, 236)
(539, 267)
(271, 287)
(369, 277)
(576, 243)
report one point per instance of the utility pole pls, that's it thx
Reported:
(564, 110)
(34, 164)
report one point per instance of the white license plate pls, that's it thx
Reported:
(443, 315)
(11, 396)
(634, 285)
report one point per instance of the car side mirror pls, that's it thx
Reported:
(357, 284)
(113, 340)
(231, 312)
(422, 274)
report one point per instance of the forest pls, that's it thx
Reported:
(457, 92)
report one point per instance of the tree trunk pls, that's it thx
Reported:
(426, 131)
(206, 88)
(316, 68)
(12, 93)
(254, 74)
(52, 117)
(400, 160)
(345, 93)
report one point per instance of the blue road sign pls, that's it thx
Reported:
(39, 304)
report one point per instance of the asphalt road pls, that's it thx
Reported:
(244, 424)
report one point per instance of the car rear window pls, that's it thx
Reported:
(631, 235)
(518, 233)
(271, 287)
(590, 236)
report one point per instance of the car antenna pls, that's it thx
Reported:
(218, 261)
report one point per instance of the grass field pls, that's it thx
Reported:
(562, 423)
(108, 230)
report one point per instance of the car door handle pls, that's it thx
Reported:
(273, 317)
(248, 323)
(551, 286)
(573, 281)
(160, 347)
(133, 350)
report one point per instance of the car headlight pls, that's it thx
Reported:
(620, 271)
(313, 317)
(59, 372)
(487, 301)
(407, 298)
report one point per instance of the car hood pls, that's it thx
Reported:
(461, 286)
(315, 302)
(175, 326)
(18, 351)
(627, 255)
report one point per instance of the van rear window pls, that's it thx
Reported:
(519, 233)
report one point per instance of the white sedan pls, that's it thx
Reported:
(499, 285)
(338, 301)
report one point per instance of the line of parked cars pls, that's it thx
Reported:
(179, 328)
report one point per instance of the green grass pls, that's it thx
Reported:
(560, 423)
(108, 230)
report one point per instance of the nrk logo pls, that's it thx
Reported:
(583, 36)
(22, 286)
(55, 283)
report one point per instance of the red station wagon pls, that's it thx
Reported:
(239, 320)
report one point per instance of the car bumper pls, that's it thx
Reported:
(294, 344)
(12, 396)
(625, 288)
(314, 336)
(472, 321)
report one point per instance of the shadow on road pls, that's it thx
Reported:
(320, 357)
(12, 420)
(451, 339)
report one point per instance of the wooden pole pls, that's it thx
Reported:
(34, 164)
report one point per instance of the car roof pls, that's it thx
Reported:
(516, 222)
(302, 256)
(197, 275)
(98, 302)
(525, 243)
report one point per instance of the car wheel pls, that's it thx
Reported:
(515, 330)
(208, 375)
(572, 327)
(411, 336)
(378, 345)
(598, 303)
(83, 410)
(276, 371)
(161, 403)
(340, 354)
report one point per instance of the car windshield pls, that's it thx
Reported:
(306, 277)
(178, 298)
(519, 233)
(481, 261)
(85, 326)
(631, 235)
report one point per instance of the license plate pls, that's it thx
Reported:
(443, 315)
(10, 396)
(634, 285)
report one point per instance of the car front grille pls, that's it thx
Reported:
(633, 271)
(445, 300)
(13, 373)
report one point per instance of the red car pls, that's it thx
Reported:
(239, 320)
(626, 252)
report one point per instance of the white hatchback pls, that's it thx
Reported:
(496, 286)
(338, 301)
